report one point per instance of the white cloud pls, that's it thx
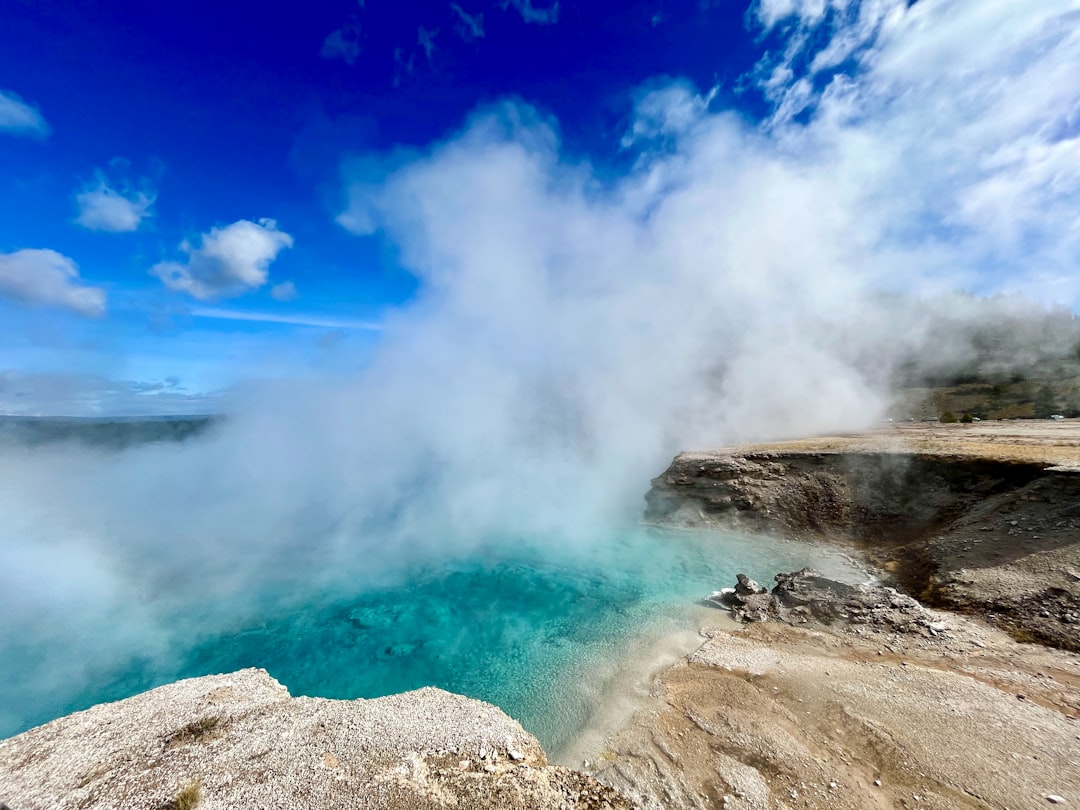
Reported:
(847, 28)
(104, 208)
(470, 26)
(734, 284)
(665, 112)
(403, 67)
(285, 291)
(531, 14)
(806, 12)
(426, 40)
(957, 122)
(19, 118)
(50, 279)
(343, 43)
(229, 261)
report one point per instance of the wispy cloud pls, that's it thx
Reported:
(20, 118)
(229, 261)
(403, 67)
(952, 117)
(296, 319)
(102, 207)
(790, 79)
(426, 40)
(531, 14)
(469, 27)
(48, 279)
(770, 12)
(285, 291)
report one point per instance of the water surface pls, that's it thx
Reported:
(532, 630)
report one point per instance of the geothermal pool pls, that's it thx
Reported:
(507, 624)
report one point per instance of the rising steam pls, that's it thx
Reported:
(574, 329)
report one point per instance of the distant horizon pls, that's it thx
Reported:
(110, 418)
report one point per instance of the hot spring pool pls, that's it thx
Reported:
(537, 637)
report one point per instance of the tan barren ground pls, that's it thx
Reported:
(946, 711)
(1043, 441)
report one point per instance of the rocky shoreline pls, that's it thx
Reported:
(888, 707)
(987, 535)
(241, 741)
(828, 695)
(839, 696)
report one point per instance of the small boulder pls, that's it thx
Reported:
(747, 586)
(755, 608)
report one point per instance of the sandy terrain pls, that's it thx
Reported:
(774, 716)
(1052, 442)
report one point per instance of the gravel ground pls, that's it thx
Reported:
(240, 741)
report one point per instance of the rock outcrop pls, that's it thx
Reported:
(999, 538)
(240, 741)
(806, 596)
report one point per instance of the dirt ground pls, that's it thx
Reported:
(1054, 442)
(959, 714)
(773, 716)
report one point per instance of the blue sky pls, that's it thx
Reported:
(217, 176)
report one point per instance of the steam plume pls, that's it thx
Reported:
(574, 327)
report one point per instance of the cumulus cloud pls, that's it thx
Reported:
(228, 261)
(105, 208)
(530, 14)
(49, 279)
(20, 118)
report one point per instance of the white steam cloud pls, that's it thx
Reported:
(574, 329)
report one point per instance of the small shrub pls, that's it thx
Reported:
(949, 417)
(193, 731)
(967, 419)
(188, 797)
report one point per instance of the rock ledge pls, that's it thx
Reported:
(241, 741)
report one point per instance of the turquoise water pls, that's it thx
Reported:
(519, 625)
